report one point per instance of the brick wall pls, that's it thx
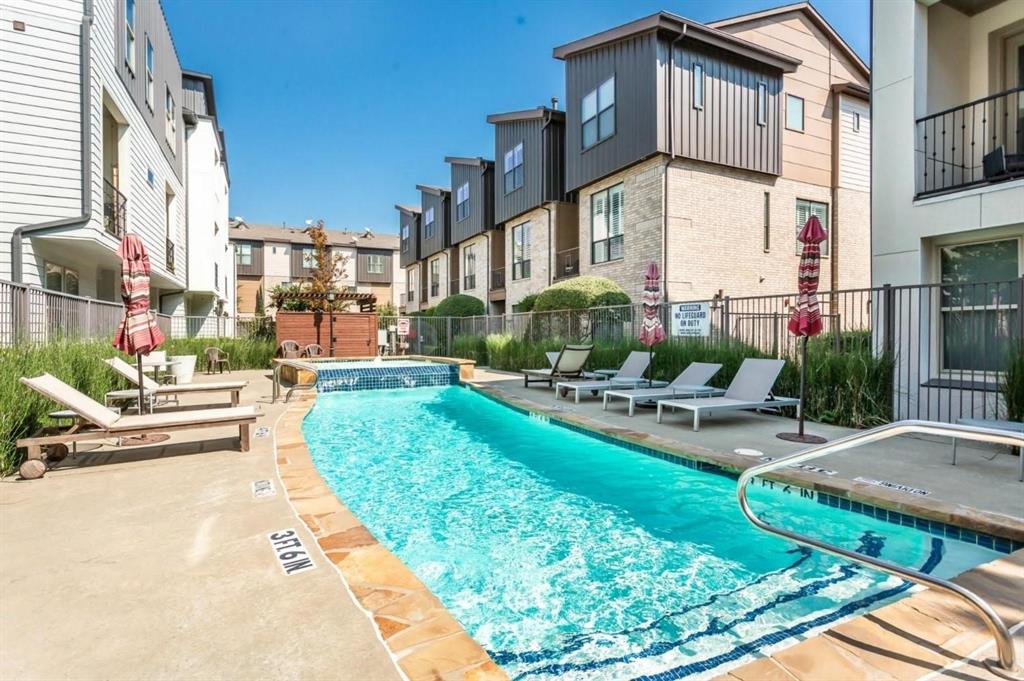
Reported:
(540, 254)
(854, 209)
(442, 280)
(479, 244)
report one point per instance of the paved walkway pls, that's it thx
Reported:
(154, 563)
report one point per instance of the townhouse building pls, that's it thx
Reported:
(472, 226)
(705, 148)
(271, 255)
(409, 257)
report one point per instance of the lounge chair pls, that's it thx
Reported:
(630, 374)
(154, 390)
(691, 383)
(568, 364)
(751, 388)
(101, 423)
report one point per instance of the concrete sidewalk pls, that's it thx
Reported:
(154, 563)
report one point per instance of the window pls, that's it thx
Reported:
(794, 113)
(243, 254)
(374, 264)
(410, 285)
(521, 251)
(216, 275)
(514, 168)
(856, 122)
(129, 34)
(598, 113)
(606, 225)
(804, 210)
(308, 258)
(767, 222)
(762, 103)
(428, 224)
(405, 238)
(462, 202)
(171, 124)
(977, 318)
(149, 74)
(435, 276)
(698, 86)
(469, 267)
(61, 279)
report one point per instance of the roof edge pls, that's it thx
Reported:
(468, 161)
(411, 210)
(853, 89)
(526, 114)
(431, 189)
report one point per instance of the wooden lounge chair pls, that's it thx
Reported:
(629, 375)
(155, 390)
(101, 423)
(569, 364)
(750, 389)
(692, 382)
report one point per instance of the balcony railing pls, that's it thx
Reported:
(971, 144)
(567, 263)
(469, 282)
(170, 255)
(115, 210)
(498, 279)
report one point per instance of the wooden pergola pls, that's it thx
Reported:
(367, 302)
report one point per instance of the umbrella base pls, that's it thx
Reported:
(806, 439)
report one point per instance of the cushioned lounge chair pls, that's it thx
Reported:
(692, 382)
(100, 423)
(750, 389)
(629, 375)
(154, 390)
(568, 364)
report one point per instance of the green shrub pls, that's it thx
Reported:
(580, 293)
(470, 347)
(527, 303)
(459, 305)
(1012, 383)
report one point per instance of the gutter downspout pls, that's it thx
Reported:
(552, 254)
(672, 155)
(85, 87)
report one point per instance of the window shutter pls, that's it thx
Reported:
(615, 212)
(599, 220)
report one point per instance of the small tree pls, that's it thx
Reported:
(260, 308)
(329, 266)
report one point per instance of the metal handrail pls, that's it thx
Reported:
(298, 386)
(1004, 642)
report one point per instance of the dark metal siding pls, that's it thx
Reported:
(481, 200)
(363, 273)
(149, 22)
(442, 222)
(554, 160)
(506, 136)
(410, 256)
(726, 131)
(193, 96)
(633, 62)
(298, 271)
(256, 268)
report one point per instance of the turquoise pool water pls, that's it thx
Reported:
(573, 558)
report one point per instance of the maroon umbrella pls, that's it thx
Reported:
(138, 333)
(806, 319)
(651, 330)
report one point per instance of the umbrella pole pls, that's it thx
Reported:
(142, 389)
(803, 382)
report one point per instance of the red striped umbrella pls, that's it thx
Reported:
(138, 333)
(651, 330)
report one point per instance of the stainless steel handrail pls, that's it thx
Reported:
(277, 378)
(1004, 642)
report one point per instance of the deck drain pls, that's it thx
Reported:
(262, 489)
(262, 431)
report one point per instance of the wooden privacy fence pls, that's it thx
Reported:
(355, 333)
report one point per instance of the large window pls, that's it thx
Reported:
(243, 254)
(405, 238)
(606, 225)
(513, 168)
(374, 264)
(462, 202)
(61, 279)
(598, 113)
(469, 267)
(698, 86)
(150, 94)
(428, 223)
(435, 276)
(794, 113)
(804, 210)
(521, 251)
(762, 103)
(977, 317)
(171, 124)
(308, 258)
(129, 34)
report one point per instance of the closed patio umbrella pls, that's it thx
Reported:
(138, 333)
(806, 319)
(651, 330)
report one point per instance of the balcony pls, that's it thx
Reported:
(115, 210)
(971, 144)
(567, 263)
(498, 279)
(169, 249)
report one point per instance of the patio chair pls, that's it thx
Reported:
(154, 390)
(750, 389)
(312, 350)
(630, 374)
(288, 349)
(217, 359)
(99, 423)
(692, 382)
(568, 364)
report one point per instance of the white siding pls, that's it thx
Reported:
(854, 146)
(207, 186)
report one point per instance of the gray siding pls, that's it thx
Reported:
(481, 200)
(298, 271)
(193, 96)
(412, 254)
(506, 136)
(633, 62)
(363, 273)
(442, 221)
(553, 155)
(150, 23)
(256, 268)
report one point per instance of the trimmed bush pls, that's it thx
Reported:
(580, 293)
(527, 303)
(1012, 383)
(470, 347)
(459, 305)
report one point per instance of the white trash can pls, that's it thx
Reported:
(184, 369)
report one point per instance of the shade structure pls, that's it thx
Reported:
(806, 319)
(652, 331)
(138, 333)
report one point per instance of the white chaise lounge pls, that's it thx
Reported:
(568, 364)
(750, 389)
(692, 382)
(99, 423)
(154, 390)
(629, 375)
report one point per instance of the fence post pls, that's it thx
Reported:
(448, 336)
(1020, 317)
(726, 322)
(889, 321)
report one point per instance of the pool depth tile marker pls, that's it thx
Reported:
(291, 554)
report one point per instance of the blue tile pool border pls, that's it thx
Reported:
(385, 377)
(933, 527)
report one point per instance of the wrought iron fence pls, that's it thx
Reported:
(115, 210)
(498, 279)
(567, 263)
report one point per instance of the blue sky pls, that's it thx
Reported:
(338, 109)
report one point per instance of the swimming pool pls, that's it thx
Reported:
(566, 556)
